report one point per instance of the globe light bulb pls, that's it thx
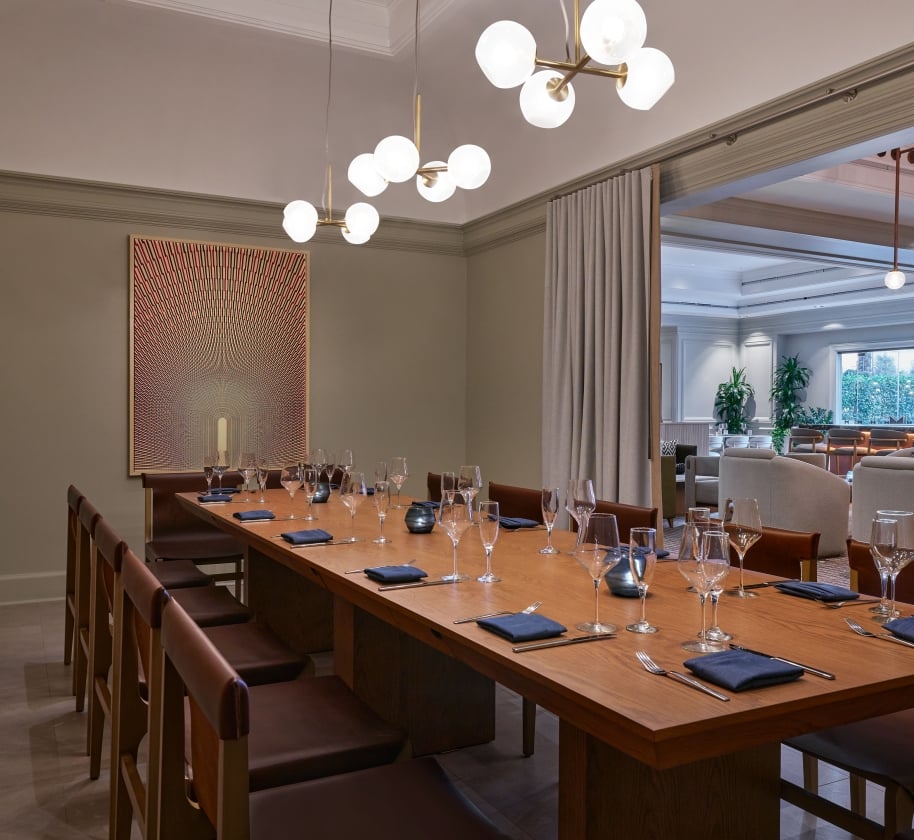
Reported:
(540, 106)
(364, 175)
(469, 166)
(396, 158)
(505, 52)
(612, 30)
(352, 239)
(362, 220)
(650, 75)
(894, 279)
(299, 220)
(435, 186)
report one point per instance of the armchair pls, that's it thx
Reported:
(701, 479)
(881, 482)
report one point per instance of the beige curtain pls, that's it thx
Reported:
(597, 359)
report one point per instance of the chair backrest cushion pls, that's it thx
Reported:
(523, 502)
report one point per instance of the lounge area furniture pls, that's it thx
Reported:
(791, 494)
(805, 439)
(844, 448)
(701, 479)
(881, 482)
(672, 480)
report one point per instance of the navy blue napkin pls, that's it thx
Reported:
(395, 574)
(214, 497)
(228, 490)
(512, 523)
(739, 670)
(901, 627)
(252, 515)
(816, 591)
(430, 505)
(306, 537)
(659, 552)
(521, 627)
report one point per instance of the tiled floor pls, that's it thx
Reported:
(45, 792)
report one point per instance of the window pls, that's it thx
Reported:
(876, 386)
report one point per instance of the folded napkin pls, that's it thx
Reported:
(395, 574)
(901, 627)
(521, 627)
(739, 670)
(659, 552)
(214, 497)
(512, 523)
(227, 490)
(430, 505)
(307, 537)
(251, 515)
(816, 591)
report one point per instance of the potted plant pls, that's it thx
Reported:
(789, 380)
(730, 401)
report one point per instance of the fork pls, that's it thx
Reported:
(654, 668)
(526, 611)
(862, 631)
(835, 605)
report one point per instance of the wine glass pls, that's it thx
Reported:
(352, 494)
(454, 518)
(744, 526)
(448, 484)
(886, 539)
(208, 468)
(550, 505)
(309, 481)
(318, 459)
(220, 465)
(488, 533)
(580, 502)
(598, 551)
(345, 461)
(905, 519)
(703, 569)
(398, 475)
(469, 483)
(382, 503)
(642, 558)
(247, 466)
(263, 475)
(380, 471)
(290, 478)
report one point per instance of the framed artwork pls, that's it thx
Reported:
(218, 354)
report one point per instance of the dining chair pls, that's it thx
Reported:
(77, 585)
(407, 800)
(864, 577)
(628, 516)
(884, 441)
(85, 548)
(433, 486)
(521, 502)
(789, 554)
(299, 730)
(139, 599)
(804, 439)
(845, 443)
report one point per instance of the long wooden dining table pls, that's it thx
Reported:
(640, 756)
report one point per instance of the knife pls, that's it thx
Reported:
(809, 669)
(416, 585)
(560, 642)
(764, 584)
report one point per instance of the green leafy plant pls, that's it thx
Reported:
(789, 380)
(815, 416)
(730, 401)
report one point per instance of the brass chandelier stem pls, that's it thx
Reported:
(896, 153)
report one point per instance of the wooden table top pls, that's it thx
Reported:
(599, 687)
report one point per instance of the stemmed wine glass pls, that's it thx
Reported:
(380, 471)
(448, 484)
(263, 475)
(469, 483)
(345, 461)
(454, 518)
(905, 519)
(598, 551)
(398, 475)
(382, 503)
(318, 460)
(488, 533)
(290, 478)
(703, 569)
(209, 462)
(220, 465)
(700, 517)
(642, 558)
(885, 540)
(247, 466)
(580, 502)
(352, 494)
(309, 481)
(550, 505)
(744, 527)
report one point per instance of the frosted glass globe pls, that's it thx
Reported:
(611, 30)
(364, 175)
(650, 75)
(506, 52)
(299, 220)
(538, 105)
(440, 186)
(352, 239)
(396, 158)
(894, 279)
(362, 219)
(469, 166)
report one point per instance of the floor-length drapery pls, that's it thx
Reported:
(596, 353)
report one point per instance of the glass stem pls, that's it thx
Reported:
(741, 573)
(549, 534)
(596, 601)
(454, 543)
(352, 526)
(884, 580)
(715, 598)
(643, 593)
(703, 597)
(488, 561)
(892, 576)
(381, 526)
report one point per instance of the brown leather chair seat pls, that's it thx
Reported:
(255, 653)
(178, 574)
(215, 547)
(522, 502)
(211, 605)
(411, 800)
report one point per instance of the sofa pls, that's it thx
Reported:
(881, 482)
(791, 494)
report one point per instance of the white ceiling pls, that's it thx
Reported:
(708, 265)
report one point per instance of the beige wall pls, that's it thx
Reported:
(388, 348)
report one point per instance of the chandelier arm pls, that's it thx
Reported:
(582, 67)
(897, 155)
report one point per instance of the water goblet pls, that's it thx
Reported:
(290, 478)
(208, 468)
(247, 466)
(488, 533)
(642, 558)
(744, 527)
(454, 518)
(905, 520)
(469, 483)
(352, 494)
(309, 481)
(598, 551)
(550, 506)
(263, 475)
(703, 569)
(382, 504)
(398, 475)
(701, 518)
(580, 503)
(318, 459)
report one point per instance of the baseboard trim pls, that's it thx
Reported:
(32, 587)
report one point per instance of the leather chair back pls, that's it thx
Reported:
(517, 501)
(788, 554)
(628, 516)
